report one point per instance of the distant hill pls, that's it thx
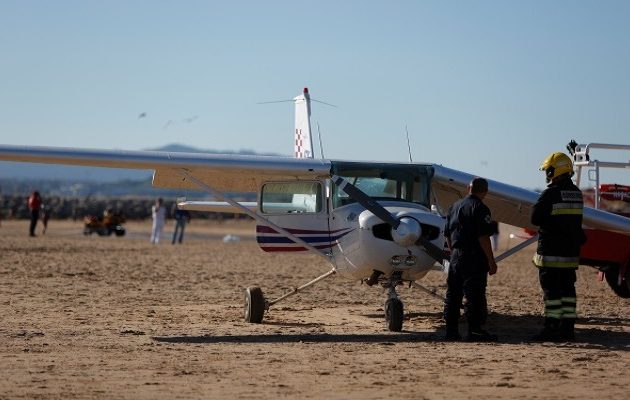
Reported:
(62, 173)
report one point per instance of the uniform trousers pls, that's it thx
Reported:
(467, 276)
(558, 285)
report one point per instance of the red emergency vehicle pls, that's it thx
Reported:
(608, 251)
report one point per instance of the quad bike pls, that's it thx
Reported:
(104, 226)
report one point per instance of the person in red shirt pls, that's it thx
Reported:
(34, 204)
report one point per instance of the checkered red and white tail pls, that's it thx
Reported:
(303, 138)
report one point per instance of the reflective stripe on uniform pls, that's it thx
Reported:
(553, 313)
(567, 209)
(553, 308)
(568, 307)
(555, 261)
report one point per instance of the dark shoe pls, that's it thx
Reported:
(567, 330)
(452, 337)
(481, 336)
(547, 335)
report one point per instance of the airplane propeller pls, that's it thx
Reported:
(406, 231)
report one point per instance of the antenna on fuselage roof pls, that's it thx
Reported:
(408, 145)
(321, 146)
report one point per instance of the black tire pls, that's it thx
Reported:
(254, 305)
(120, 232)
(394, 314)
(612, 277)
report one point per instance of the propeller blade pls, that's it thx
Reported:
(366, 201)
(432, 250)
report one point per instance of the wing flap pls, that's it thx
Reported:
(216, 206)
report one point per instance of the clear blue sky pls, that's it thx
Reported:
(488, 87)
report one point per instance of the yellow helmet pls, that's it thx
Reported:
(557, 164)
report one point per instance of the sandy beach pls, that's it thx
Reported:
(88, 317)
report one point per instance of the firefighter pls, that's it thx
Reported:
(468, 230)
(558, 214)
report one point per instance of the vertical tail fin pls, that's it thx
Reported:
(303, 138)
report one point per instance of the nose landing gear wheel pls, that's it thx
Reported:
(394, 314)
(254, 305)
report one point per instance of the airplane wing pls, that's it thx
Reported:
(224, 172)
(238, 173)
(511, 204)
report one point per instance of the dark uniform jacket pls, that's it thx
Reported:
(558, 214)
(467, 220)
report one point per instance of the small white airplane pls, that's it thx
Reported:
(378, 222)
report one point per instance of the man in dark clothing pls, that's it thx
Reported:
(558, 214)
(468, 230)
(34, 204)
(181, 218)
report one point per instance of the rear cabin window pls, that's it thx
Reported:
(291, 197)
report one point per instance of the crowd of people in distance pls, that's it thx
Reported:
(39, 211)
(158, 214)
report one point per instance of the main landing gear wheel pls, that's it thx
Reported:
(394, 314)
(612, 277)
(254, 305)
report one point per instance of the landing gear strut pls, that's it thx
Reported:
(394, 310)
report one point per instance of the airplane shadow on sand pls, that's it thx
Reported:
(512, 329)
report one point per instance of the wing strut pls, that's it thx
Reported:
(251, 213)
(516, 248)
(427, 291)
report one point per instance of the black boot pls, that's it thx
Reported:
(480, 335)
(567, 329)
(452, 333)
(550, 332)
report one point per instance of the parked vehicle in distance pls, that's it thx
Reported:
(111, 222)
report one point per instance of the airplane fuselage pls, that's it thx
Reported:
(358, 241)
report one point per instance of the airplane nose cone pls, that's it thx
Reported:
(408, 232)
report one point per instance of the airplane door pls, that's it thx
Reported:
(300, 208)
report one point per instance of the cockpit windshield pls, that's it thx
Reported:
(381, 181)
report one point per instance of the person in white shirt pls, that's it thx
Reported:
(158, 212)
